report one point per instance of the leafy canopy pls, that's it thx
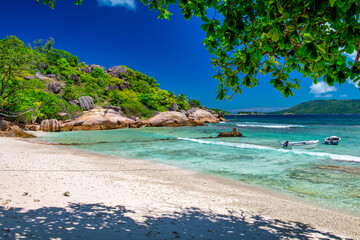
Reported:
(250, 38)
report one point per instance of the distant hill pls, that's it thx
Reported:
(324, 107)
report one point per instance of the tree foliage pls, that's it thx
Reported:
(15, 58)
(250, 38)
(25, 94)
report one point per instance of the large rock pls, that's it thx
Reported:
(174, 107)
(171, 119)
(202, 116)
(117, 71)
(39, 75)
(234, 133)
(221, 114)
(4, 125)
(74, 102)
(51, 125)
(123, 85)
(32, 127)
(86, 103)
(55, 87)
(89, 69)
(98, 119)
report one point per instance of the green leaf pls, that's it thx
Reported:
(275, 35)
(340, 3)
(332, 2)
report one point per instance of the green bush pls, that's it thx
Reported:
(98, 73)
(135, 109)
(129, 100)
(195, 103)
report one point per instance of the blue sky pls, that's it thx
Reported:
(125, 32)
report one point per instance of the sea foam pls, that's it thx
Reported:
(348, 158)
(265, 125)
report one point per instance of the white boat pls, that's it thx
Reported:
(300, 145)
(333, 140)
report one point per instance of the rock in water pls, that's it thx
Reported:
(51, 125)
(86, 103)
(234, 133)
(117, 71)
(55, 87)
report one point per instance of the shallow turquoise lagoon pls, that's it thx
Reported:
(328, 175)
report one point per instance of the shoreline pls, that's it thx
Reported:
(151, 191)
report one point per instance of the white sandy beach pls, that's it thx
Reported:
(112, 198)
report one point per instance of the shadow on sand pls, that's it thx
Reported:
(97, 221)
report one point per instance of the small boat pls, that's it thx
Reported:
(300, 145)
(333, 140)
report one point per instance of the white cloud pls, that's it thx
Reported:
(322, 88)
(129, 4)
(344, 95)
(352, 82)
(324, 96)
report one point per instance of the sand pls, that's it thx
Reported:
(52, 192)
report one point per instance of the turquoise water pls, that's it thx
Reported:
(256, 158)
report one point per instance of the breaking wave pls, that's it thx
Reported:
(348, 158)
(265, 125)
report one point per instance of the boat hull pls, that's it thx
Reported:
(305, 146)
(300, 145)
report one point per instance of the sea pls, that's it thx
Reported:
(327, 175)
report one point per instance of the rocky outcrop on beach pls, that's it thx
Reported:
(8, 129)
(50, 125)
(191, 117)
(203, 116)
(170, 119)
(98, 119)
(4, 125)
(110, 117)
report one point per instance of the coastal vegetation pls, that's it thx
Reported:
(324, 107)
(277, 38)
(40, 82)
